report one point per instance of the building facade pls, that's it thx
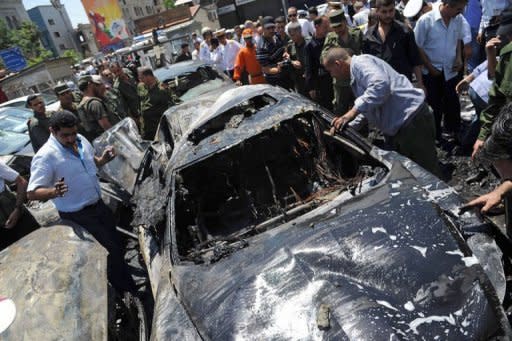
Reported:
(136, 9)
(235, 12)
(57, 33)
(13, 13)
(86, 39)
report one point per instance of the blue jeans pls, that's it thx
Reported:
(477, 51)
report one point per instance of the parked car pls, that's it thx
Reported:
(256, 223)
(12, 142)
(14, 119)
(191, 79)
(51, 101)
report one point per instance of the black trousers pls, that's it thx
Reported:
(325, 92)
(100, 222)
(443, 99)
(26, 224)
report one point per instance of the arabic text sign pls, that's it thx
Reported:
(13, 59)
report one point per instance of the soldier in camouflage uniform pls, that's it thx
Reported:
(501, 89)
(348, 38)
(69, 101)
(123, 94)
(39, 125)
(155, 98)
(94, 114)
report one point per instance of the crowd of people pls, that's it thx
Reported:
(397, 67)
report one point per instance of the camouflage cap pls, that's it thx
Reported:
(336, 18)
(61, 88)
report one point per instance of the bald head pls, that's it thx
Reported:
(336, 54)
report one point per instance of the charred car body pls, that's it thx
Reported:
(255, 222)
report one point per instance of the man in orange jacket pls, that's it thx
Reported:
(246, 61)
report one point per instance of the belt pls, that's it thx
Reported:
(88, 207)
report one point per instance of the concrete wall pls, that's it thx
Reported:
(38, 78)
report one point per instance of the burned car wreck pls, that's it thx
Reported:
(256, 223)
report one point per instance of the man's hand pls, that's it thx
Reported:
(476, 148)
(479, 38)
(492, 45)
(339, 122)
(108, 155)
(312, 94)
(462, 86)
(238, 83)
(13, 218)
(491, 199)
(296, 64)
(60, 188)
(434, 72)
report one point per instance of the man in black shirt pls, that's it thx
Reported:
(270, 54)
(393, 42)
(297, 52)
(185, 54)
(318, 82)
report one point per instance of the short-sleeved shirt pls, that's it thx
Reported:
(54, 161)
(6, 173)
(91, 110)
(440, 41)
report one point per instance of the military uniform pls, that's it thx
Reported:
(154, 102)
(38, 130)
(124, 96)
(342, 91)
(500, 92)
(297, 52)
(90, 111)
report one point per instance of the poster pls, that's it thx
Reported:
(107, 23)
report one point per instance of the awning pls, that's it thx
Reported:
(182, 2)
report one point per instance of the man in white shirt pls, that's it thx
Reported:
(195, 53)
(438, 33)
(307, 29)
(229, 53)
(64, 170)
(204, 50)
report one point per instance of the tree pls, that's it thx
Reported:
(73, 54)
(169, 4)
(26, 37)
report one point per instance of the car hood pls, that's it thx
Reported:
(385, 263)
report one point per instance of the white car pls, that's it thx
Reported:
(51, 101)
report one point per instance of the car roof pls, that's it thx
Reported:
(286, 106)
(173, 70)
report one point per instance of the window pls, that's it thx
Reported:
(56, 34)
(51, 22)
(15, 22)
(155, 2)
(149, 9)
(62, 47)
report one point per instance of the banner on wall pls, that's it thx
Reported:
(107, 23)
